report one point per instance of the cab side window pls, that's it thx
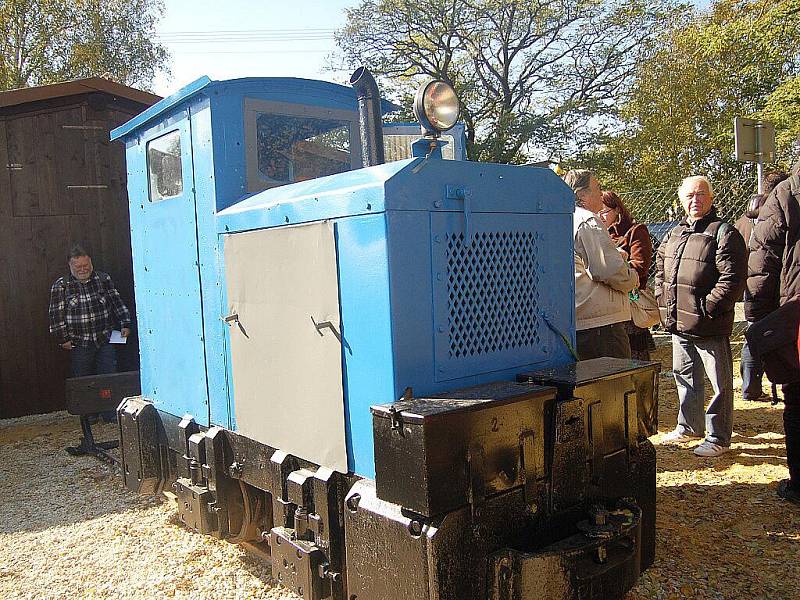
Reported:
(165, 170)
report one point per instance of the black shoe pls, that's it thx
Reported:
(787, 492)
(761, 398)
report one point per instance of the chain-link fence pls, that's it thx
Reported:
(660, 210)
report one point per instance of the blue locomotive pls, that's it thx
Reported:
(364, 368)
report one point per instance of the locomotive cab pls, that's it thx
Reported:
(364, 369)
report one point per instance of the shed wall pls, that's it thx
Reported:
(45, 148)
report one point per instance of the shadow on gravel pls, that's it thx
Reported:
(746, 457)
(723, 540)
(722, 532)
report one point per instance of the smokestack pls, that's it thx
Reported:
(369, 116)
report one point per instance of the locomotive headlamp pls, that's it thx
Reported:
(436, 107)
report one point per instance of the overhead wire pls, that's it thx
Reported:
(245, 35)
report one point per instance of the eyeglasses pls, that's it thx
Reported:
(605, 211)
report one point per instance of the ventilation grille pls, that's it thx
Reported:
(493, 291)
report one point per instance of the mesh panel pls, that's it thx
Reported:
(493, 291)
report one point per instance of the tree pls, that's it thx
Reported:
(741, 58)
(783, 108)
(47, 41)
(531, 75)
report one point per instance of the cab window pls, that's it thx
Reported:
(296, 148)
(165, 171)
(289, 143)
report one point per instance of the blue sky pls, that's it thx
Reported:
(302, 25)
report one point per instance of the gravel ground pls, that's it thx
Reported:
(721, 530)
(69, 530)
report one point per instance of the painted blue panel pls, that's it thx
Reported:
(345, 194)
(366, 331)
(286, 87)
(211, 265)
(161, 107)
(487, 292)
(413, 184)
(414, 281)
(487, 187)
(164, 238)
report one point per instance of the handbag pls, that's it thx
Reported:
(773, 340)
(644, 308)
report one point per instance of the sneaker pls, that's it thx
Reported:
(788, 493)
(710, 449)
(678, 437)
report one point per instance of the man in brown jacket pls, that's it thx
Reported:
(701, 267)
(773, 278)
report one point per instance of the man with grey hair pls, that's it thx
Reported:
(85, 307)
(701, 270)
(602, 276)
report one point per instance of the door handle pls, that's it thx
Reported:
(326, 325)
(234, 318)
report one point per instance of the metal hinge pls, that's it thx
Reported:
(94, 127)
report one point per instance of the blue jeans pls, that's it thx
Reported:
(691, 360)
(93, 361)
(752, 372)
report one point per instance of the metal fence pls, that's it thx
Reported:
(660, 210)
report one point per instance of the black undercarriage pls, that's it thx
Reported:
(540, 488)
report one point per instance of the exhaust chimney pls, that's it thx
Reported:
(369, 116)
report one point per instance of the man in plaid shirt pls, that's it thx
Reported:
(84, 308)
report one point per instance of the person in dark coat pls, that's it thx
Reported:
(701, 268)
(750, 367)
(773, 278)
(634, 239)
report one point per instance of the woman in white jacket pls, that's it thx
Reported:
(603, 278)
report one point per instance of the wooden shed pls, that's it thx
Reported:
(61, 181)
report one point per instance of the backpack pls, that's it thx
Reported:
(722, 229)
(773, 340)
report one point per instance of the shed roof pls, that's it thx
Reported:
(74, 88)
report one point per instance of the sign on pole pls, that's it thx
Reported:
(755, 142)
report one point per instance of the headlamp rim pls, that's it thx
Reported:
(422, 116)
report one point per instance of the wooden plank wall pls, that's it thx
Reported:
(42, 153)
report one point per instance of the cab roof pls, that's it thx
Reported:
(205, 85)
